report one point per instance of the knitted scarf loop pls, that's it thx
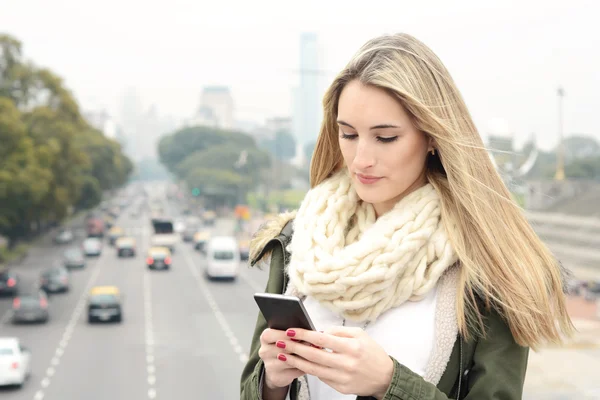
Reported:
(360, 266)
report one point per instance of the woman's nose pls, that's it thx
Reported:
(364, 157)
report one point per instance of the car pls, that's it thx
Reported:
(159, 258)
(92, 247)
(15, 362)
(64, 236)
(200, 240)
(126, 247)
(73, 258)
(244, 245)
(115, 233)
(222, 258)
(9, 283)
(55, 280)
(30, 307)
(105, 303)
(188, 234)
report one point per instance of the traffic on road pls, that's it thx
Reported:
(111, 308)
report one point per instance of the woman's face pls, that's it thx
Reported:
(384, 152)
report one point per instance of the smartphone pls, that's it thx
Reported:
(283, 312)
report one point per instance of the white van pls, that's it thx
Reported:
(222, 257)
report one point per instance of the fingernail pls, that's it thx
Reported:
(295, 340)
(281, 357)
(291, 333)
(281, 344)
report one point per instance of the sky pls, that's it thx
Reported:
(507, 57)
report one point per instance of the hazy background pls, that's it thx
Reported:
(508, 57)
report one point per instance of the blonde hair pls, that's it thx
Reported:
(503, 261)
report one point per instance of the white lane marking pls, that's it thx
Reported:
(68, 332)
(215, 309)
(149, 331)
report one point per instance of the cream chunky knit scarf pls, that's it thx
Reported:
(360, 266)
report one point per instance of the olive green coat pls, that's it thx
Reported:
(481, 369)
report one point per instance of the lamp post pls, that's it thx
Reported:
(560, 153)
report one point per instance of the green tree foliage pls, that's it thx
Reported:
(207, 159)
(51, 159)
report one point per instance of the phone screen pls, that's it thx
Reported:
(283, 312)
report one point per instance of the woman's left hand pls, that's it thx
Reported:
(356, 364)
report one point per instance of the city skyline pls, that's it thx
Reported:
(507, 64)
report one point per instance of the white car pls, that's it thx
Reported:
(222, 257)
(64, 236)
(15, 362)
(92, 246)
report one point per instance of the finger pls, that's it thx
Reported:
(310, 368)
(345, 331)
(270, 336)
(313, 354)
(320, 339)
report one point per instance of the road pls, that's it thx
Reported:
(182, 337)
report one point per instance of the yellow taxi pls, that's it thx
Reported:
(201, 238)
(159, 258)
(114, 233)
(105, 303)
(125, 246)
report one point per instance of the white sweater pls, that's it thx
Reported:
(406, 333)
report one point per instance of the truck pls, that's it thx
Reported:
(164, 234)
(94, 227)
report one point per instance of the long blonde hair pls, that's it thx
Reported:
(503, 261)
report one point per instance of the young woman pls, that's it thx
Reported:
(408, 252)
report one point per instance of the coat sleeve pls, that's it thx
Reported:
(497, 371)
(251, 385)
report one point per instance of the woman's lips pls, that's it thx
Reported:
(366, 179)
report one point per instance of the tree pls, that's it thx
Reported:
(580, 146)
(23, 181)
(51, 159)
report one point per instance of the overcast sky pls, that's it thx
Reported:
(508, 57)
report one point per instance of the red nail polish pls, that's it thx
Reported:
(295, 340)
(280, 344)
(281, 357)
(291, 333)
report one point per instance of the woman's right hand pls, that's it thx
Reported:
(278, 374)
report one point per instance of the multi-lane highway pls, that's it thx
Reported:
(182, 337)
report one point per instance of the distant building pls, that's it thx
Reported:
(305, 98)
(216, 108)
(102, 121)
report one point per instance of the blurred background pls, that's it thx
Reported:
(132, 133)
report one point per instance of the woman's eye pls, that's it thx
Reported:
(349, 136)
(386, 139)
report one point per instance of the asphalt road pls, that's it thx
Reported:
(182, 337)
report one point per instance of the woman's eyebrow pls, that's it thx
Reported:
(381, 126)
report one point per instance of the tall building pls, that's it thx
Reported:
(306, 96)
(216, 108)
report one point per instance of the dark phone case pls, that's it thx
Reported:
(283, 312)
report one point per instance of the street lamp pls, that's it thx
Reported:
(560, 154)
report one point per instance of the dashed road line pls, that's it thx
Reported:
(150, 367)
(66, 337)
(243, 357)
